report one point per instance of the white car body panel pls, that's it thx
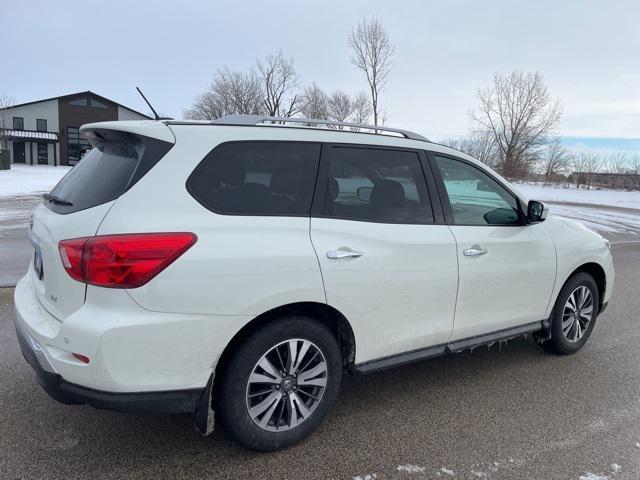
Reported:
(399, 296)
(510, 285)
(567, 234)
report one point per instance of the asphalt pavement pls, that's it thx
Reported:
(509, 413)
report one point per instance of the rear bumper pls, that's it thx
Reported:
(178, 401)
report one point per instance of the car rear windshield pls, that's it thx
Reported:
(105, 173)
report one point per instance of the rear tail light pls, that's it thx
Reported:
(122, 261)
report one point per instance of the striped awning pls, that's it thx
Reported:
(29, 135)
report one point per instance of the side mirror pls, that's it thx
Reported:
(364, 194)
(536, 211)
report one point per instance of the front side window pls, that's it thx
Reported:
(376, 185)
(18, 123)
(476, 198)
(41, 125)
(257, 178)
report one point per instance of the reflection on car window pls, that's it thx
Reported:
(376, 185)
(476, 199)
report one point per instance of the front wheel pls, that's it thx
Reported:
(280, 384)
(574, 315)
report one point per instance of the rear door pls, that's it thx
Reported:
(76, 207)
(386, 264)
(507, 268)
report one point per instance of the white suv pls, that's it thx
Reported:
(241, 266)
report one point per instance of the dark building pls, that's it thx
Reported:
(46, 132)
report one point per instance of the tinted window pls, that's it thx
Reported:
(96, 104)
(376, 185)
(41, 125)
(80, 102)
(77, 144)
(101, 176)
(18, 123)
(476, 199)
(43, 154)
(261, 178)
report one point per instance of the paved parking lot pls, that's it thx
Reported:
(509, 413)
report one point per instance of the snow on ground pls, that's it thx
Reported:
(411, 468)
(600, 219)
(593, 476)
(612, 211)
(29, 179)
(557, 193)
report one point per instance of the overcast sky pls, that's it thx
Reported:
(588, 51)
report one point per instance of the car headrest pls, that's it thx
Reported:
(334, 188)
(284, 181)
(231, 173)
(387, 194)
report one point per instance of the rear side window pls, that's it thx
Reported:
(107, 171)
(257, 178)
(376, 185)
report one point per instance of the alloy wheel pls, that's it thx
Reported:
(286, 385)
(577, 314)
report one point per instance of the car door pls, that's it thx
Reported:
(386, 265)
(507, 267)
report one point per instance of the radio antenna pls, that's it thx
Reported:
(157, 117)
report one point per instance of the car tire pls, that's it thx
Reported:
(265, 410)
(571, 328)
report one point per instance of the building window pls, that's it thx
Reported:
(96, 104)
(43, 154)
(80, 102)
(41, 125)
(18, 123)
(77, 144)
(87, 102)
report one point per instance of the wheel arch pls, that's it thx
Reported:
(597, 272)
(332, 318)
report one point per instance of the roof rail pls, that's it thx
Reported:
(257, 120)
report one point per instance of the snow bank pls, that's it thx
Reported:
(29, 179)
(558, 193)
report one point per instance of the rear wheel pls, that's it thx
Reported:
(280, 384)
(574, 314)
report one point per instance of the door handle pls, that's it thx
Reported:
(343, 252)
(474, 251)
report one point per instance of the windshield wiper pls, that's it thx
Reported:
(55, 199)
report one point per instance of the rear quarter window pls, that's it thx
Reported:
(257, 178)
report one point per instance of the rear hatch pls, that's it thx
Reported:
(79, 202)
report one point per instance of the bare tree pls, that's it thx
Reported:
(554, 160)
(586, 165)
(280, 83)
(339, 106)
(230, 93)
(616, 163)
(520, 114)
(479, 145)
(372, 53)
(315, 103)
(6, 102)
(634, 169)
(361, 108)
